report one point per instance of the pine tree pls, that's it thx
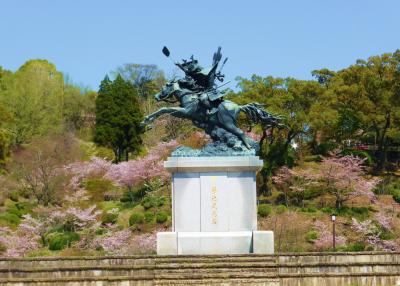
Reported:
(118, 118)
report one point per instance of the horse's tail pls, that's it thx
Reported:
(256, 114)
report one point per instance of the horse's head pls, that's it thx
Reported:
(167, 91)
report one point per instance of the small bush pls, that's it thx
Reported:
(58, 241)
(108, 218)
(387, 235)
(149, 202)
(130, 196)
(358, 246)
(311, 236)
(149, 216)
(9, 219)
(14, 196)
(264, 210)
(281, 209)
(161, 217)
(309, 210)
(136, 218)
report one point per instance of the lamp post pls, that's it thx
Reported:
(333, 217)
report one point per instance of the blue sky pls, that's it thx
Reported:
(87, 39)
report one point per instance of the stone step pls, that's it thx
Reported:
(134, 270)
(208, 259)
(72, 261)
(215, 274)
(110, 261)
(221, 282)
(129, 281)
(78, 281)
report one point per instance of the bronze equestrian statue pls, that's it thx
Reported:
(202, 102)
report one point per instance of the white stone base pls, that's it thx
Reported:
(233, 242)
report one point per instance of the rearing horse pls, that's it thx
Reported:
(194, 106)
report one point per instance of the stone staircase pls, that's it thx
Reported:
(300, 269)
(141, 270)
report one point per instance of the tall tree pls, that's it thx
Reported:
(369, 92)
(118, 117)
(302, 105)
(34, 98)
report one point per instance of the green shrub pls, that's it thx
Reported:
(149, 216)
(14, 196)
(328, 210)
(161, 217)
(309, 210)
(130, 196)
(107, 218)
(264, 210)
(19, 208)
(136, 218)
(311, 236)
(357, 246)
(149, 202)
(387, 235)
(396, 196)
(60, 240)
(9, 218)
(281, 209)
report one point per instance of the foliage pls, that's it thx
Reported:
(136, 218)
(312, 236)
(58, 241)
(34, 97)
(118, 118)
(264, 210)
(38, 168)
(161, 217)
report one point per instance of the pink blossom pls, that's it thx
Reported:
(371, 233)
(325, 237)
(384, 221)
(17, 243)
(133, 172)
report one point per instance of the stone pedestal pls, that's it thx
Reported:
(214, 208)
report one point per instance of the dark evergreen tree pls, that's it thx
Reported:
(118, 118)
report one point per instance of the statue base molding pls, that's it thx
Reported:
(214, 207)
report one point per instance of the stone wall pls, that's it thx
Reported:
(308, 269)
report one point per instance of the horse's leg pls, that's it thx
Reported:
(229, 123)
(175, 111)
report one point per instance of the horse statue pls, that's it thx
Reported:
(220, 123)
(201, 101)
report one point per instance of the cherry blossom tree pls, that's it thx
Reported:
(325, 237)
(342, 177)
(371, 234)
(142, 170)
